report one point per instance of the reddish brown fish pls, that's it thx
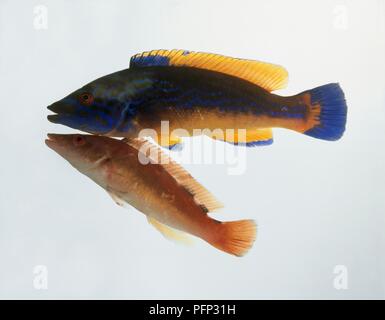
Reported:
(140, 174)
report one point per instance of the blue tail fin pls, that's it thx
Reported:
(330, 119)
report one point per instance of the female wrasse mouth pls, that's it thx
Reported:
(51, 139)
(54, 136)
(55, 140)
(50, 144)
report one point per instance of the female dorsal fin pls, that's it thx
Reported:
(156, 155)
(266, 75)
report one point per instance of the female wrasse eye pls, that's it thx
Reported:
(79, 140)
(86, 98)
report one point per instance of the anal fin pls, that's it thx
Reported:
(252, 138)
(171, 142)
(174, 145)
(170, 233)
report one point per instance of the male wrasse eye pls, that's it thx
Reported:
(78, 141)
(86, 98)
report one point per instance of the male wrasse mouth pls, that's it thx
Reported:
(56, 108)
(50, 107)
(59, 109)
(53, 118)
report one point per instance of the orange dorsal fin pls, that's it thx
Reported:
(156, 155)
(266, 75)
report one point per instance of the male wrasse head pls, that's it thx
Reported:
(93, 108)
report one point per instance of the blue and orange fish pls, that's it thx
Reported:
(193, 90)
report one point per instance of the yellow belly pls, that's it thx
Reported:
(231, 127)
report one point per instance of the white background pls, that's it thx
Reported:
(318, 204)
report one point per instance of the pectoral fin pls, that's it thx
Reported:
(115, 198)
(118, 199)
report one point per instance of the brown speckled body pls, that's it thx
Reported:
(116, 167)
(153, 191)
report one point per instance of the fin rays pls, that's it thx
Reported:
(266, 75)
(201, 195)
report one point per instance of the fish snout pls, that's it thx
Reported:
(55, 136)
(54, 118)
(59, 108)
(55, 140)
